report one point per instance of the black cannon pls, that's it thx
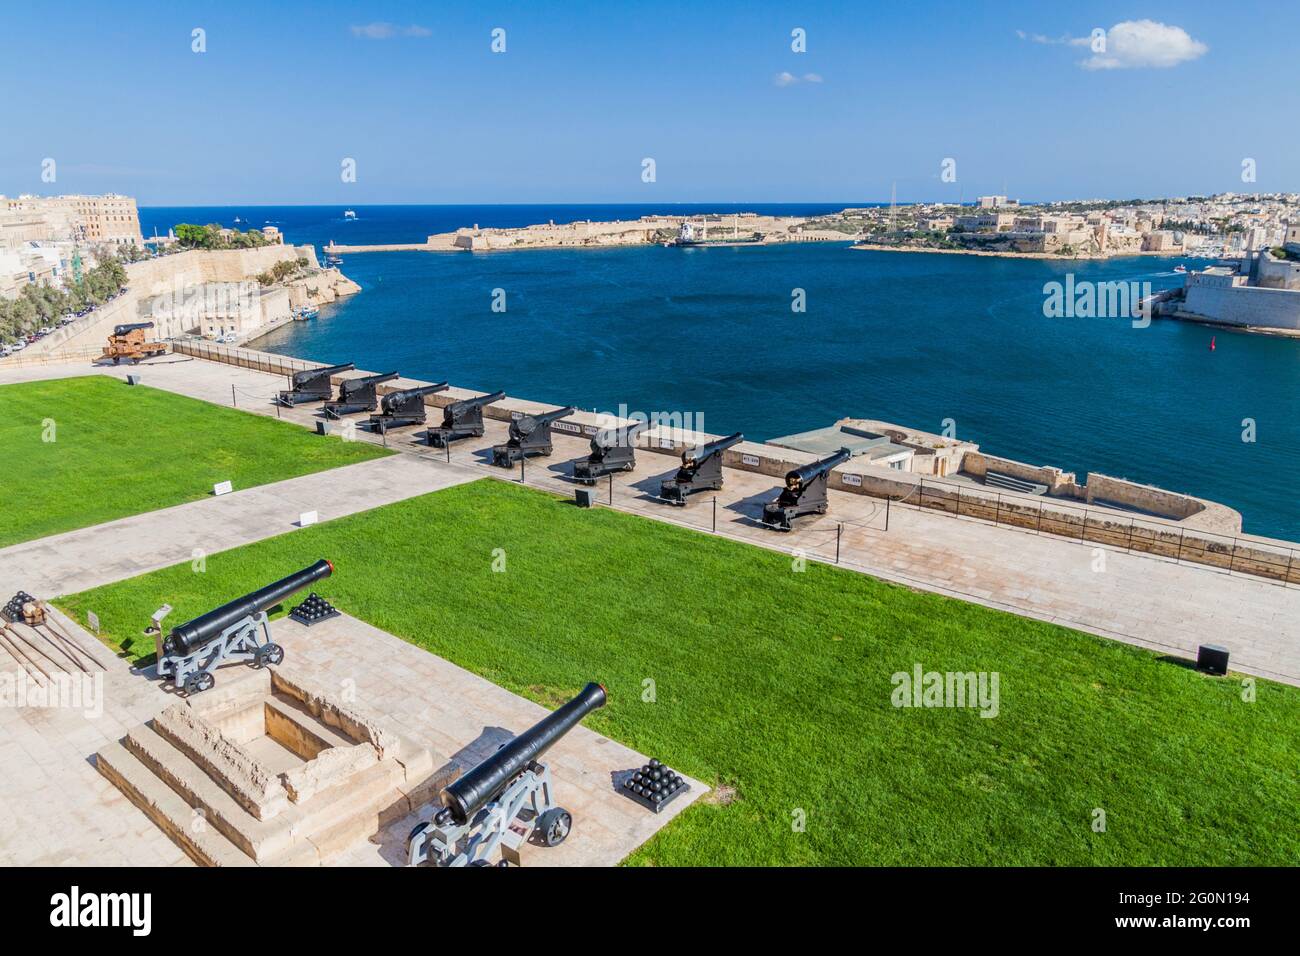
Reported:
(357, 395)
(612, 449)
(313, 384)
(701, 469)
(529, 436)
(403, 408)
(462, 419)
(804, 492)
(482, 808)
(236, 631)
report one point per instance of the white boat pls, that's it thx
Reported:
(1180, 268)
(349, 214)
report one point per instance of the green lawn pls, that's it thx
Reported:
(81, 451)
(777, 684)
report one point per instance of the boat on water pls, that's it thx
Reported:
(306, 312)
(1180, 268)
(349, 214)
(687, 236)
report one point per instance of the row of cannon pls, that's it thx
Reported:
(612, 450)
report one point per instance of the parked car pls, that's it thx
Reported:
(44, 330)
(17, 346)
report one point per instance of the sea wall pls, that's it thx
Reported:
(1243, 306)
(1058, 482)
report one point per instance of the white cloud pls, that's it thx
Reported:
(386, 31)
(789, 79)
(1132, 44)
(1145, 43)
(373, 31)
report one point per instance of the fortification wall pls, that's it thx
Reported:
(1244, 306)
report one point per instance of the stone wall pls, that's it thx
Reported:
(1244, 306)
(1059, 483)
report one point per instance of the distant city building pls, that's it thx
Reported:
(996, 202)
(89, 219)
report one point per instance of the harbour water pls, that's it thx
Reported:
(914, 338)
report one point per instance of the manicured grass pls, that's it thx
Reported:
(777, 684)
(81, 451)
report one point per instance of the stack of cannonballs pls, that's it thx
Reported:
(654, 785)
(13, 611)
(313, 610)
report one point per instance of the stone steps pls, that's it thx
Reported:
(203, 844)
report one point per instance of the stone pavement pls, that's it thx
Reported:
(76, 560)
(55, 808)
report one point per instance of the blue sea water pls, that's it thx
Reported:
(912, 338)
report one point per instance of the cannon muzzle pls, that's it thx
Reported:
(396, 400)
(131, 327)
(193, 634)
(470, 793)
(525, 426)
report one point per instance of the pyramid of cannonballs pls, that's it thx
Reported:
(655, 785)
(13, 611)
(313, 610)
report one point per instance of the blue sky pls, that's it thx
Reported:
(585, 91)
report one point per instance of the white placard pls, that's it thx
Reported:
(591, 429)
(665, 443)
(515, 416)
(93, 620)
(161, 613)
(568, 427)
(749, 459)
(307, 517)
(855, 480)
(222, 488)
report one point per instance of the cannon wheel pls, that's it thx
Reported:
(198, 683)
(554, 826)
(270, 654)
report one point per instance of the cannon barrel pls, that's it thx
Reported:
(548, 417)
(394, 399)
(131, 327)
(351, 385)
(481, 400)
(193, 634)
(312, 374)
(467, 795)
(806, 473)
(712, 448)
(622, 437)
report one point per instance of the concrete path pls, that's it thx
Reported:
(120, 549)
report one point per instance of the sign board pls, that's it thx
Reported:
(161, 613)
(591, 429)
(855, 480)
(515, 416)
(749, 460)
(222, 488)
(665, 443)
(307, 517)
(567, 427)
(93, 620)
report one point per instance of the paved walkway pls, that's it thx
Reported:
(76, 560)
